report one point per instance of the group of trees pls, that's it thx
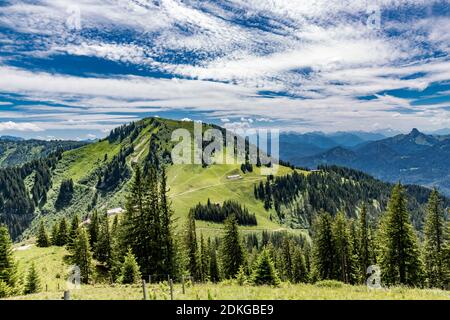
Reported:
(218, 213)
(65, 194)
(11, 282)
(344, 248)
(334, 189)
(16, 205)
(115, 171)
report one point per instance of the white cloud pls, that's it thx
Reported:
(19, 126)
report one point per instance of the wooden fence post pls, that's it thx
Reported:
(144, 289)
(171, 289)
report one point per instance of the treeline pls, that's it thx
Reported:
(131, 130)
(116, 171)
(218, 213)
(333, 189)
(16, 204)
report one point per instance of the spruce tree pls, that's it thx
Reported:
(167, 228)
(192, 247)
(73, 232)
(435, 237)
(299, 271)
(42, 240)
(232, 251)
(63, 235)
(8, 267)
(82, 256)
(93, 228)
(55, 233)
(324, 252)
(213, 265)
(344, 259)
(286, 260)
(363, 243)
(398, 255)
(103, 246)
(33, 281)
(130, 269)
(264, 272)
(204, 259)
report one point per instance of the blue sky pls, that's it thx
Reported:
(76, 69)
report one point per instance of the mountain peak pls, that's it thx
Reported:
(415, 132)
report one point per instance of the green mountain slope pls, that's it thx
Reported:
(15, 152)
(100, 174)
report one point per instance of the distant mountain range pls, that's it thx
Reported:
(415, 158)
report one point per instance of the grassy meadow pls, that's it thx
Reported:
(52, 269)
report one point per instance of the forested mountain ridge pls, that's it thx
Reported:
(297, 198)
(97, 176)
(414, 158)
(15, 151)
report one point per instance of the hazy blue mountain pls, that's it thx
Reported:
(411, 158)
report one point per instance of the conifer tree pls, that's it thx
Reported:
(232, 251)
(299, 271)
(264, 271)
(82, 256)
(363, 242)
(63, 234)
(436, 269)
(167, 228)
(42, 240)
(130, 269)
(343, 249)
(103, 246)
(213, 265)
(93, 228)
(192, 247)
(286, 260)
(324, 251)
(204, 259)
(398, 255)
(55, 233)
(8, 267)
(73, 231)
(33, 281)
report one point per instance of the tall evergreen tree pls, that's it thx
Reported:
(399, 256)
(167, 228)
(213, 265)
(82, 256)
(103, 246)
(192, 247)
(63, 235)
(8, 267)
(436, 269)
(55, 233)
(204, 259)
(343, 249)
(299, 271)
(324, 251)
(73, 231)
(93, 228)
(33, 281)
(42, 238)
(232, 251)
(363, 242)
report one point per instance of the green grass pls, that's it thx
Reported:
(49, 263)
(235, 292)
